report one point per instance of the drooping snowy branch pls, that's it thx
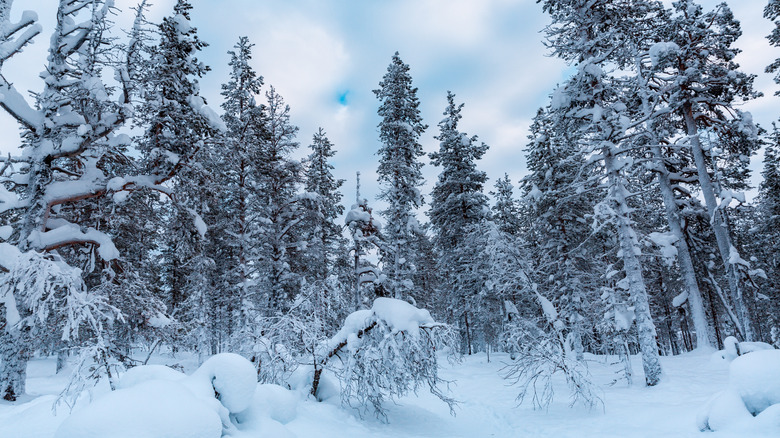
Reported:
(386, 352)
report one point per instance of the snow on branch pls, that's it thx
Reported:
(17, 107)
(386, 352)
(42, 286)
(70, 234)
(10, 46)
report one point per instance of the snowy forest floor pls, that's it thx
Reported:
(487, 405)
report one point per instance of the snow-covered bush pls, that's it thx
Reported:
(385, 352)
(278, 345)
(543, 351)
(754, 391)
(45, 302)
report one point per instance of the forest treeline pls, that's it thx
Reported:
(138, 217)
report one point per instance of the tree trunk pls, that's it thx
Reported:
(696, 304)
(719, 225)
(468, 332)
(633, 270)
(686, 333)
(62, 359)
(13, 367)
(695, 301)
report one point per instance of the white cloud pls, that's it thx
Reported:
(488, 52)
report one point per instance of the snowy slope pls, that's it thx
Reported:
(487, 406)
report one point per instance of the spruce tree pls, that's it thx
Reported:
(457, 204)
(280, 215)
(240, 171)
(399, 174)
(558, 196)
(175, 148)
(768, 230)
(325, 250)
(325, 234)
(505, 211)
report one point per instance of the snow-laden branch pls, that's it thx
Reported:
(385, 351)
(9, 200)
(8, 46)
(66, 234)
(17, 107)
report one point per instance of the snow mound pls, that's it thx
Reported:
(754, 390)
(145, 373)
(722, 411)
(153, 409)
(154, 401)
(232, 377)
(733, 349)
(756, 378)
(271, 401)
(768, 419)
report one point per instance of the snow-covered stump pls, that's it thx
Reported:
(386, 352)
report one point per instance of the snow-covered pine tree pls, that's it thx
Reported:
(324, 235)
(494, 269)
(505, 210)
(772, 12)
(280, 216)
(702, 85)
(769, 229)
(72, 161)
(240, 171)
(457, 204)
(581, 33)
(177, 125)
(667, 179)
(365, 231)
(399, 174)
(769, 191)
(558, 197)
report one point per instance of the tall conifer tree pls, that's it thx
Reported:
(399, 174)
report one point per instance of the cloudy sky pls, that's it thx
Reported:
(325, 57)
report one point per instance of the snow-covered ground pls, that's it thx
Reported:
(487, 406)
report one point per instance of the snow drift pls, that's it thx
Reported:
(752, 401)
(156, 401)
